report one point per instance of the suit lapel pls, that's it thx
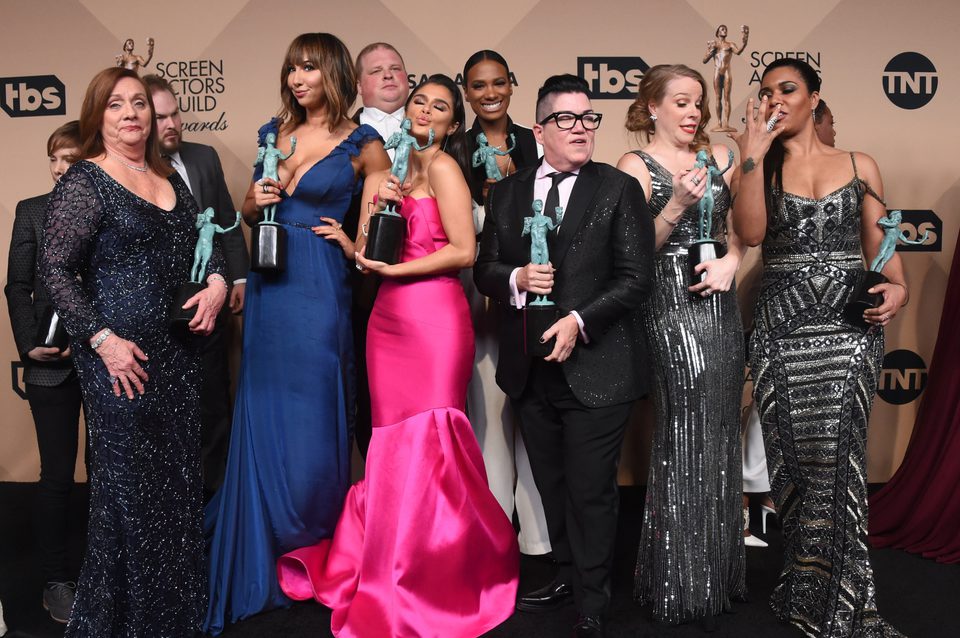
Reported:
(521, 198)
(584, 190)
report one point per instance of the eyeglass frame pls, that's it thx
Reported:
(578, 117)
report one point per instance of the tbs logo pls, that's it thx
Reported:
(910, 80)
(917, 222)
(612, 78)
(33, 95)
(903, 377)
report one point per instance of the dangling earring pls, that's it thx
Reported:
(443, 145)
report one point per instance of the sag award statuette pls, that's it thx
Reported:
(705, 247)
(50, 332)
(541, 313)
(385, 230)
(180, 316)
(861, 299)
(268, 240)
(721, 51)
(487, 155)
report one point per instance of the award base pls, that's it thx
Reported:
(268, 248)
(180, 318)
(699, 252)
(51, 333)
(385, 237)
(536, 320)
(862, 300)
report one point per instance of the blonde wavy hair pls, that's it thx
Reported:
(653, 88)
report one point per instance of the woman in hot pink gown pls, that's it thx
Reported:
(422, 548)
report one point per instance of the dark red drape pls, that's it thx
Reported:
(919, 509)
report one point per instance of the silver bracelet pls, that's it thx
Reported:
(106, 332)
(219, 278)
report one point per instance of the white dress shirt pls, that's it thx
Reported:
(177, 162)
(541, 186)
(386, 124)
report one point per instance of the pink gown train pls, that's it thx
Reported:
(422, 548)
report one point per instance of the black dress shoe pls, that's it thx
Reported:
(551, 596)
(589, 627)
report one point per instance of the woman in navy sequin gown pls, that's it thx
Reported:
(119, 241)
(288, 468)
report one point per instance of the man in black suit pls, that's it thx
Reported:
(199, 166)
(572, 405)
(53, 389)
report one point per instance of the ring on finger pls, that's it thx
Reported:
(113, 379)
(696, 181)
(263, 187)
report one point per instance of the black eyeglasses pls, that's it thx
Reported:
(566, 120)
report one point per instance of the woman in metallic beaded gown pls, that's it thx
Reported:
(119, 240)
(691, 563)
(815, 209)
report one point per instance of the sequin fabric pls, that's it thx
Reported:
(691, 560)
(111, 259)
(815, 378)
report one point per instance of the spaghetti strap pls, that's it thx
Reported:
(866, 186)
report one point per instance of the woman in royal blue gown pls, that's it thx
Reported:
(288, 468)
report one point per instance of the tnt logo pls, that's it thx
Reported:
(33, 95)
(917, 222)
(903, 377)
(910, 80)
(612, 78)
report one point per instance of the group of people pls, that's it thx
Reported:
(424, 544)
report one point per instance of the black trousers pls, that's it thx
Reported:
(574, 451)
(216, 409)
(56, 416)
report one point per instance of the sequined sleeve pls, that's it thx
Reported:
(73, 217)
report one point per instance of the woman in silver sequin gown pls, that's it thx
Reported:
(691, 563)
(815, 209)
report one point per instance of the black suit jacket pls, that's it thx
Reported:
(209, 188)
(27, 298)
(603, 256)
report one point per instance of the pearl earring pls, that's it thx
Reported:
(653, 117)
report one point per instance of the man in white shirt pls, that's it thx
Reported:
(199, 166)
(383, 89)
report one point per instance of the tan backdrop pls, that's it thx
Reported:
(225, 57)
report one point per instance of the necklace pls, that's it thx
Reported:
(132, 167)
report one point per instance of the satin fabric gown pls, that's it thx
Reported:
(288, 467)
(422, 547)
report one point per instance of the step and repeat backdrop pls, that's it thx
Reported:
(889, 72)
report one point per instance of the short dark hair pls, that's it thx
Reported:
(156, 83)
(480, 56)
(554, 85)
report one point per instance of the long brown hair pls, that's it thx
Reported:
(653, 88)
(91, 118)
(339, 78)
